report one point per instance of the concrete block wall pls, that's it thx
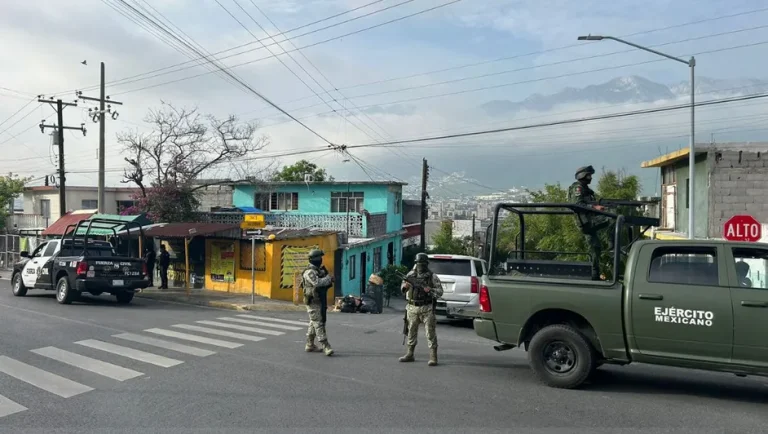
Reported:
(738, 185)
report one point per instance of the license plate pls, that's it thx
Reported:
(117, 283)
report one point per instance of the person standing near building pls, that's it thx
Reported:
(149, 257)
(164, 263)
(422, 289)
(315, 282)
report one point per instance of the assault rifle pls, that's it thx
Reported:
(322, 293)
(416, 286)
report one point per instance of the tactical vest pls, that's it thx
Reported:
(424, 279)
(318, 292)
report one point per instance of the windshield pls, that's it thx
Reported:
(453, 267)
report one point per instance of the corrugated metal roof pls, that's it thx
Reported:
(59, 226)
(287, 234)
(183, 230)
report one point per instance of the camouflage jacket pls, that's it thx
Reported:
(581, 194)
(430, 280)
(311, 280)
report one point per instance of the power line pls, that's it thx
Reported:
(290, 51)
(231, 75)
(17, 112)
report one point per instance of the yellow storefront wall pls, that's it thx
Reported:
(282, 257)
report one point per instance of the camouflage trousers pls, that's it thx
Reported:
(316, 324)
(421, 315)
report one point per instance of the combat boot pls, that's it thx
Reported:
(310, 345)
(408, 357)
(432, 357)
(327, 348)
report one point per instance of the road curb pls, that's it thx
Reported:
(265, 306)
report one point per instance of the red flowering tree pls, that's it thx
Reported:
(168, 203)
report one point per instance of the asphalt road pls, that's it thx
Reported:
(262, 381)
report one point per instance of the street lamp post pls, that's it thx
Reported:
(692, 154)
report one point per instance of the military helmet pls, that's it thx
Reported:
(582, 172)
(422, 258)
(315, 253)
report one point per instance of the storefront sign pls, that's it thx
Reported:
(223, 261)
(252, 222)
(293, 259)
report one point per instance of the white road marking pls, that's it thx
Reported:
(8, 407)
(161, 343)
(261, 323)
(42, 379)
(97, 366)
(141, 356)
(220, 332)
(241, 328)
(195, 338)
(284, 321)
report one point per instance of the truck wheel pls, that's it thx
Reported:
(124, 297)
(64, 292)
(561, 357)
(19, 290)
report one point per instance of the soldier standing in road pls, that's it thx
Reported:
(590, 223)
(315, 283)
(421, 307)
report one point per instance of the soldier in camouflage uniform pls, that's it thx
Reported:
(590, 223)
(315, 283)
(420, 308)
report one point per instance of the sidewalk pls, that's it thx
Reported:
(222, 300)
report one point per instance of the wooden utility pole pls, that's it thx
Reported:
(60, 127)
(424, 196)
(99, 116)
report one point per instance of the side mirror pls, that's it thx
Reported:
(24, 254)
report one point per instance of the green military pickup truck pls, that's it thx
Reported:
(700, 304)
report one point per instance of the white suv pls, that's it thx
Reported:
(461, 277)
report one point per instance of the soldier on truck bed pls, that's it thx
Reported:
(590, 223)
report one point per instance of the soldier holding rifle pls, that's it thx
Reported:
(422, 289)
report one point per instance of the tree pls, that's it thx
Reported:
(10, 188)
(295, 172)
(168, 163)
(557, 237)
(445, 242)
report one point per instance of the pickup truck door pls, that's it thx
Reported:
(681, 303)
(749, 294)
(36, 272)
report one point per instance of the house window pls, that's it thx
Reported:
(398, 202)
(89, 204)
(352, 266)
(284, 202)
(376, 259)
(261, 201)
(122, 205)
(347, 201)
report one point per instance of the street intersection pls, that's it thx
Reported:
(154, 366)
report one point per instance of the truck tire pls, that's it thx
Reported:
(124, 297)
(561, 357)
(19, 290)
(65, 294)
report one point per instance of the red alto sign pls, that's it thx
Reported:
(742, 228)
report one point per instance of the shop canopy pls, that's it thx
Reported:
(72, 218)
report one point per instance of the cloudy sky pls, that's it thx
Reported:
(379, 71)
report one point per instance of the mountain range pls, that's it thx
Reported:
(629, 89)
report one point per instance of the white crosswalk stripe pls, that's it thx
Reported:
(261, 323)
(8, 407)
(241, 328)
(194, 338)
(97, 366)
(162, 343)
(142, 356)
(41, 379)
(280, 320)
(220, 332)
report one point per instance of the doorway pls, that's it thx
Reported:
(391, 253)
(338, 260)
(363, 274)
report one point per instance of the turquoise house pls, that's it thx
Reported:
(369, 214)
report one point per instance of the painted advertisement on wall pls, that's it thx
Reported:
(293, 259)
(223, 261)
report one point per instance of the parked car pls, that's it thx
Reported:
(460, 276)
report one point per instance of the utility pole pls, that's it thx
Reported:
(424, 196)
(474, 251)
(60, 127)
(99, 116)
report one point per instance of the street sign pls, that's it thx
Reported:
(742, 228)
(253, 221)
